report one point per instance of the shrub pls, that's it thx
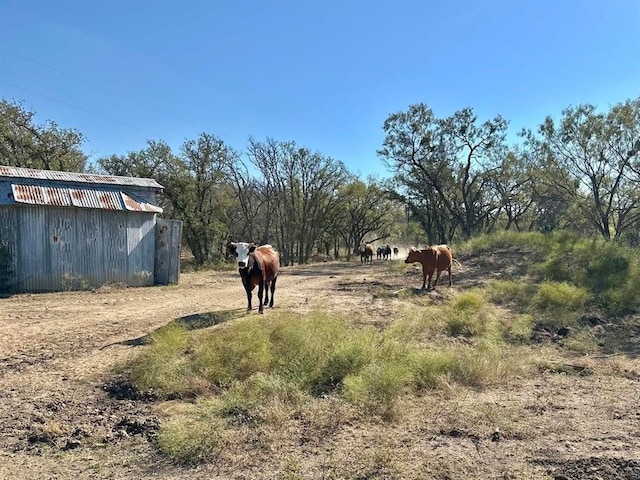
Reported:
(377, 387)
(559, 304)
(466, 316)
(430, 365)
(234, 353)
(317, 352)
(516, 293)
(163, 368)
(519, 328)
(193, 437)
(244, 400)
(610, 271)
(502, 239)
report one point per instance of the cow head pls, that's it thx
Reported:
(413, 256)
(241, 251)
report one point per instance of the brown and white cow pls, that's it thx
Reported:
(258, 266)
(433, 259)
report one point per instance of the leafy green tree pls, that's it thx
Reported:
(198, 188)
(46, 146)
(599, 152)
(445, 163)
(513, 183)
(207, 203)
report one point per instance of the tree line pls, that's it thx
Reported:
(452, 178)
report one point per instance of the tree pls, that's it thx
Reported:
(206, 204)
(198, 188)
(300, 194)
(513, 183)
(365, 209)
(46, 146)
(599, 152)
(445, 164)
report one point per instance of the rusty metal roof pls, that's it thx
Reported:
(30, 173)
(78, 197)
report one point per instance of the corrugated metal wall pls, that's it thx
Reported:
(73, 248)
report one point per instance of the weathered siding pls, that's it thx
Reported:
(167, 265)
(70, 248)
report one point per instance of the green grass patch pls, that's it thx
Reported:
(513, 293)
(226, 355)
(559, 304)
(258, 372)
(504, 239)
(164, 368)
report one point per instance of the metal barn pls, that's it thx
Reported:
(70, 231)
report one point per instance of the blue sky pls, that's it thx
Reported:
(323, 73)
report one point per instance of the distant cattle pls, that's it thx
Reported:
(433, 259)
(258, 266)
(395, 251)
(366, 253)
(386, 253)
(379, 251)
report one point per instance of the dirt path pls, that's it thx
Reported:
(58, 350)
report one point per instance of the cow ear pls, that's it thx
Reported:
(252, 248)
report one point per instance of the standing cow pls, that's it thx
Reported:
(433, 259)
(366, 253)
(258, 266)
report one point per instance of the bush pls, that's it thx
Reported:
(377, 387)
(610, 271)
(244, 400)
(317, 352)
(466, 316)
(559, 304)
(503, 239)
(430, 365)
(516, 293)
(193, 437)
(234, 353)
(164, 367)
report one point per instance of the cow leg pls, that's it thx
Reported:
(449, 270)
(435, 282)
(273, 290)
(246, 283)
(424, 280)
(260, 293)
(266, 292)
(429, 284)
(248, 298)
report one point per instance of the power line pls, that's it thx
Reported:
(78, 108)
(93, 84)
